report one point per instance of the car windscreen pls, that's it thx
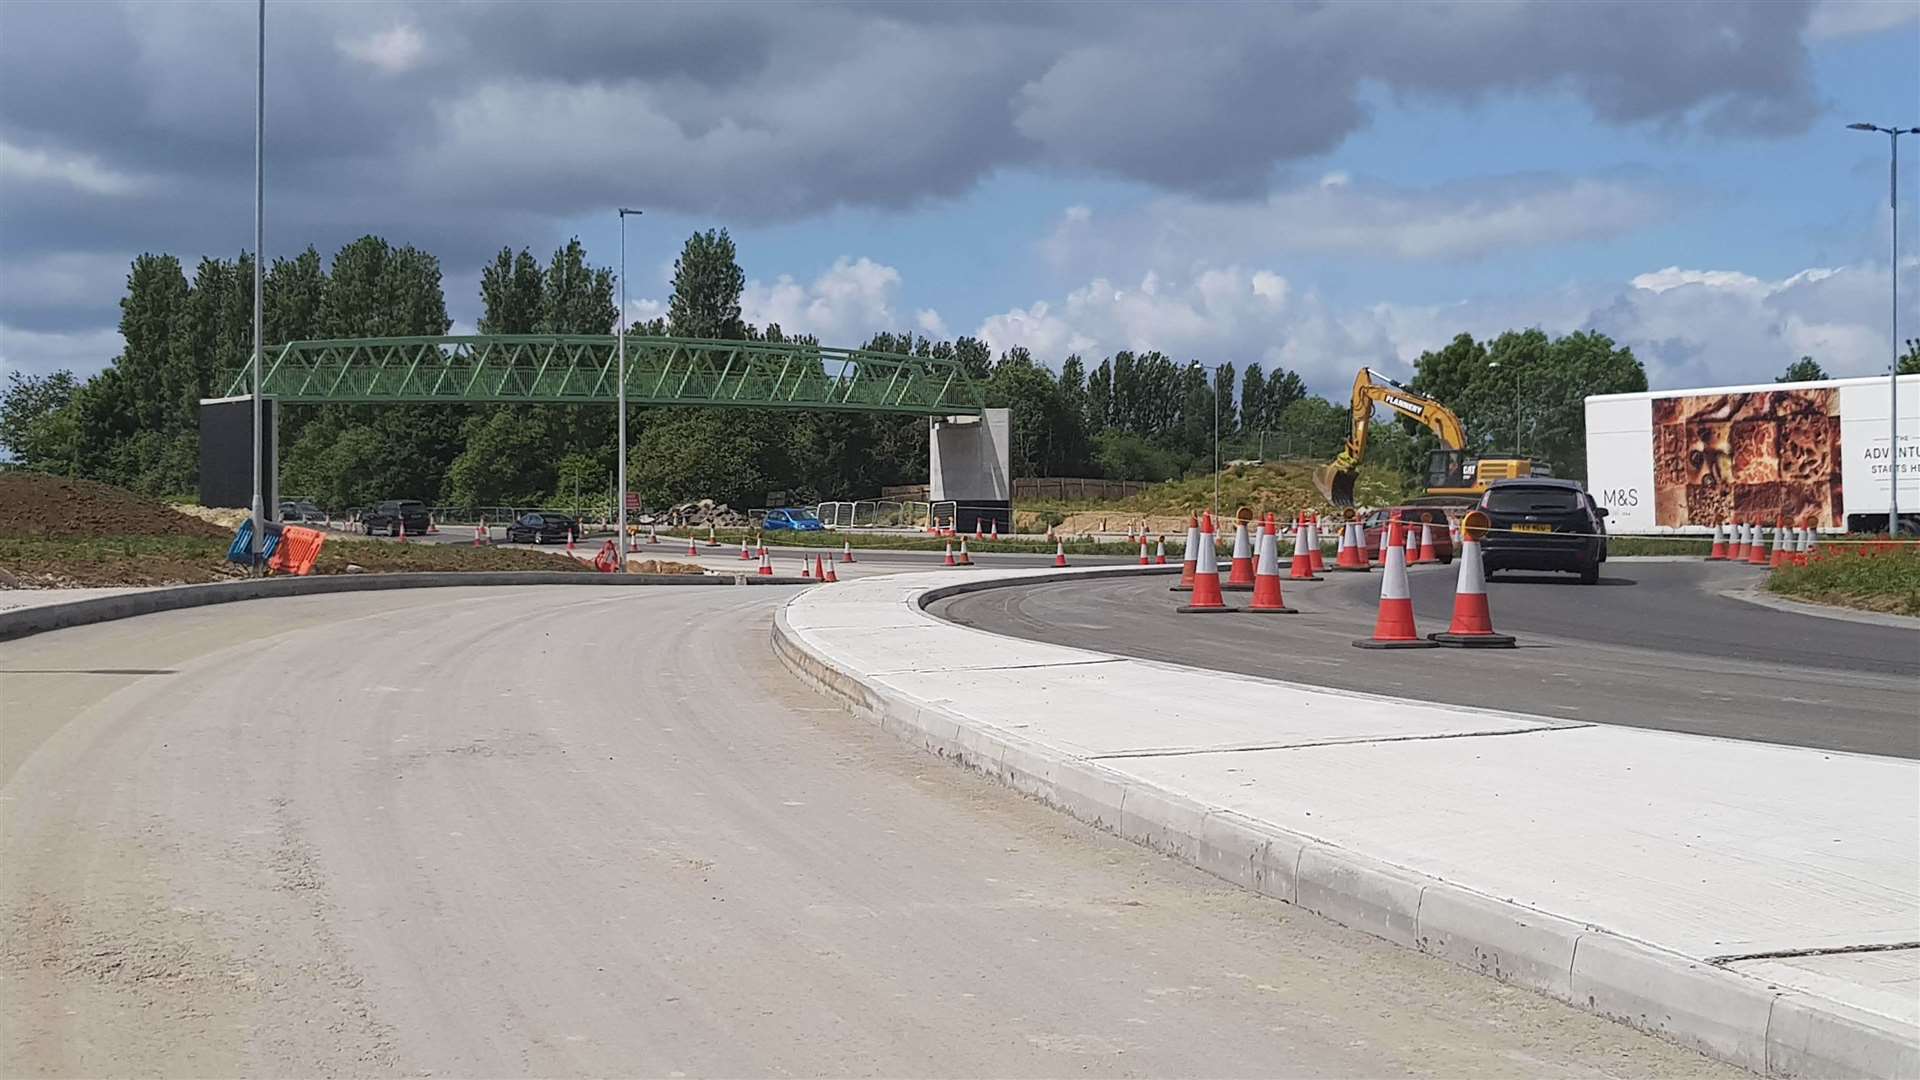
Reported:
(411, 506)
(1533, 500)
(802, 515)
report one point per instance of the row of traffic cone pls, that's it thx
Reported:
(1749, 543)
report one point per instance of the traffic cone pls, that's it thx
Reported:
(653, 537)
(1737, 550)
(1783, 545)
(1353, 539)
(1160, 550)
(1413, 545)
(832, 578)
(1472, 625)
(569, 541)
(1187, 558)
(1059, 552)
(1302, 568)
(1393, 628)
(1385, 532)
(766, 561)
(1144, 559)
(1427, 552)
(1313, 544)
(1719, 552)
(950, 561)
(745, 555)
(1266, 575)
(712, 540)
(432, 529)
(1240, 576)
(804, 572)
(403, 530)
(995, 535)
(479, 531)
(1206, 573)
(977, 534)
(819, 567)
(692, 549)
(965, 559)
(846, 551)
(1343, 548)
(1813, 541)
(1757, 554)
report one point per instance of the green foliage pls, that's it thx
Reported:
(1123, 455)
(1805, 369)
(36, 429)
(1858, 572)
(707, 282)
(1910, 360)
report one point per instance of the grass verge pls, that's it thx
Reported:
(47, 563)
(1881, 577)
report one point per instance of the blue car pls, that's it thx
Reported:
(790, 520)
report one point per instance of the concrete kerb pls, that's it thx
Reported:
(38, 620)
(1727, 1014)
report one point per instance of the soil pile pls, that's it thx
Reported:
(38, 506)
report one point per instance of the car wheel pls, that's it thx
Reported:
(1590, 574)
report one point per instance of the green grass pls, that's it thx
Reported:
(1657, 545)
(1874, 576)
(863, 541)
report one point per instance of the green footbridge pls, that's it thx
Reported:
(584, 369)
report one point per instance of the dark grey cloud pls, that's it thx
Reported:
(129, 127)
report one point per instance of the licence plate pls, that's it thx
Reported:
(1533, 528)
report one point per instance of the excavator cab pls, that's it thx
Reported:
(1450, 469)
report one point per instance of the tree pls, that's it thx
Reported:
(1805, 369)
(1313, 427)
(707, 282)
(36, 429)
(1253, 400)
(295, 295)
(1284, 387)
(1910, 361)
(578, 299)
(1224, 381)
(513, 294)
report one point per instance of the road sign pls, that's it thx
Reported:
(633, 500)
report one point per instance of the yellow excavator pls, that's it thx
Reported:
(1450, 472)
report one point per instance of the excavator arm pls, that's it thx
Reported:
(1371, 390)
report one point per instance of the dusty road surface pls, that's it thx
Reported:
(567, 831)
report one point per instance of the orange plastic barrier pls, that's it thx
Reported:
(299, 547)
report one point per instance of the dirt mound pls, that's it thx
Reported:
(36, 505)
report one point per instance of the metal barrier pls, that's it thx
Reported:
(943, 515)
(836, 515)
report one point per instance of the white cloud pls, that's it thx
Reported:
(930, 323)
(83, 352)
(394, 50)
(848, 302)
(1848, 18)
(1690, 327)
(1343, 215)
(77, 171)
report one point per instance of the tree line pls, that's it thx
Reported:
(1135, 415)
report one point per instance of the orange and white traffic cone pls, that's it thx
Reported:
(1206, 574)
(804, 572)
(432, 529)
(1144, 559)
(1813, 541)
(977, 534)
(1302, 568)
(1385, 534)
(1413, 545)
(766, 562)
(1187, 558)
(1737, 542)
(832, 578)
(949, 560)
(1160, 550)
(1719, 552)
(1782, 552)
(1393, 628)
(1428, 554)
(1313, 544)
(1059, 552)
(819, 568)
(569, 541)
(653, 537)
(1757, 554)
(403, 530)
(995, 534)
(1472, 625)
(1240, 575)
(745, 555)
(692, 548)
(1266, 575)
(1343, 549)
(1356, 541)
(712, 540)
(479, 531)
(846, 551)
(965, 558)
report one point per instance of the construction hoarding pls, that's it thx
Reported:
(1809, 454)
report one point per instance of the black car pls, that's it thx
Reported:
(542, 528)
(301, 512)
(1543, 524)
(388, 517)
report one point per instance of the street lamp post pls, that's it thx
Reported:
(259, 305)
(621, 391)
(1893, 370)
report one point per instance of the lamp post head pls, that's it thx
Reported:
(625, 211)
(1862, 127)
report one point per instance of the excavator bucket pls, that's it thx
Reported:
(1334, 484)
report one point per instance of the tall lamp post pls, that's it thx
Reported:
(259, 305)
(621, 384)
(1893, 370)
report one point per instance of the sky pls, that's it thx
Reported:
(1314, 185)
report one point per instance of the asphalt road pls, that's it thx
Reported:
(1654, 645)
(562, 831)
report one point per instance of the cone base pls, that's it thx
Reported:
(1412, 643)
(1189, 609)
(1273, 611)
(1473, 641)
